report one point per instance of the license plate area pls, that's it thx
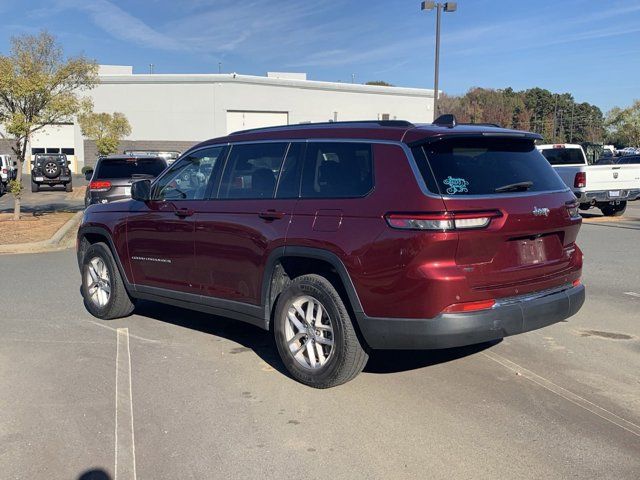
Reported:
(531, 251)
(614, 193)
(39, 179)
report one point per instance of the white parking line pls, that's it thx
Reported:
(633, 294)
(566, 394)
(125, 450)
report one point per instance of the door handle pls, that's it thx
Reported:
(183, 212)
(271, 215)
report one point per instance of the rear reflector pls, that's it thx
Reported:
(580, 180)
(442, 221)
(470, 306)
(100, 186)
(576, 283)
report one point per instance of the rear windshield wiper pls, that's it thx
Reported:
(514, 187)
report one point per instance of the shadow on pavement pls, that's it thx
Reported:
(45, 208)
(95, 474)
(262, 343)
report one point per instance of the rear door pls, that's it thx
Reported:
(532, 237)
(160, 233)
(246, 220)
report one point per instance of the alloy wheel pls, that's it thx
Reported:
(309, 332)
(98, 282)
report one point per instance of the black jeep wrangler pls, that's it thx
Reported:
(50, 169)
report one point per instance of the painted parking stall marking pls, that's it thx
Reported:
(125, 451)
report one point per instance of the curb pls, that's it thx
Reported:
(51, 245)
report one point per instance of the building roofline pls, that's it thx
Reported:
(212, 78)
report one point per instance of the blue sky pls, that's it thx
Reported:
(586, 47)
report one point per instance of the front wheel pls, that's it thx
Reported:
(103, 290)
(614, 210)
(315, 336)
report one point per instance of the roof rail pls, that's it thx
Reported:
(382, 123)
(483, 124)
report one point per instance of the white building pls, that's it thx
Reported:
(175, 111)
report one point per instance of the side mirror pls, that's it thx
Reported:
(141, 190)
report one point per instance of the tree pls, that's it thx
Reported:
(106, 129)
(379, 83)
(623, 125)
(38, 87)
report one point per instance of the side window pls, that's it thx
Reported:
(188, 178)
(252, 171)
(337, 170)
(289, 181)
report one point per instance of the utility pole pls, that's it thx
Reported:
(447, 7)
(573, 106)
(151, 68)
(219, 67)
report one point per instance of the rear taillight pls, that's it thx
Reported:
(470, 306)
(100, 186)
(580, 180)
(443, 221)
(4, 170)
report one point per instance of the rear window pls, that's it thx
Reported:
(128, 167)
(484, 166)
(563, 156)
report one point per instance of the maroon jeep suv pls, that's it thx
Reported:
(347, 237)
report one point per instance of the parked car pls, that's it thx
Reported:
(50, 169)
(8, 172)
(629, 160)
(605, 186)
(347, 237)
(111, 179)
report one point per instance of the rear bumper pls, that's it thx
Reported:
(507, 317)
(604, 196)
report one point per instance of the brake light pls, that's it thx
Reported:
(580, 180)
(100, 186)
(443, 221)
(470, 306)
(559, 145)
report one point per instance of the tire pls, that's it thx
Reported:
(117, 303)
(3, 189)
(35, 187)
(614, 210)
(68, 187)
(344, 359)
(51, 169)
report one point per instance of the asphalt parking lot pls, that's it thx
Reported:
(169, 393)
(48, 199)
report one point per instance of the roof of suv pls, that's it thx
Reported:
(389, 130)
(131, 157)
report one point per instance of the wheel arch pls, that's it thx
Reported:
(89, 235)
(276, 277)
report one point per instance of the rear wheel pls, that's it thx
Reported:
(68, 187)
(315, 335)
(34, 186)
(103, 290)
(614, 210)
(3, 189)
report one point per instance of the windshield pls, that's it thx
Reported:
(128, 167)
(485, 166)
(563, 156)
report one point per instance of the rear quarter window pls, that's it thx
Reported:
(480, 166)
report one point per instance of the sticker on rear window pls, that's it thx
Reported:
(456, 185)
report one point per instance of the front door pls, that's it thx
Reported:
(160, 233)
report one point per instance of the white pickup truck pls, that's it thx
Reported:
(607, 187)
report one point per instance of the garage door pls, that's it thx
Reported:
(243, 120)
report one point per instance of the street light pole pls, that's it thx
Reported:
(447, 7)
(436, 93)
